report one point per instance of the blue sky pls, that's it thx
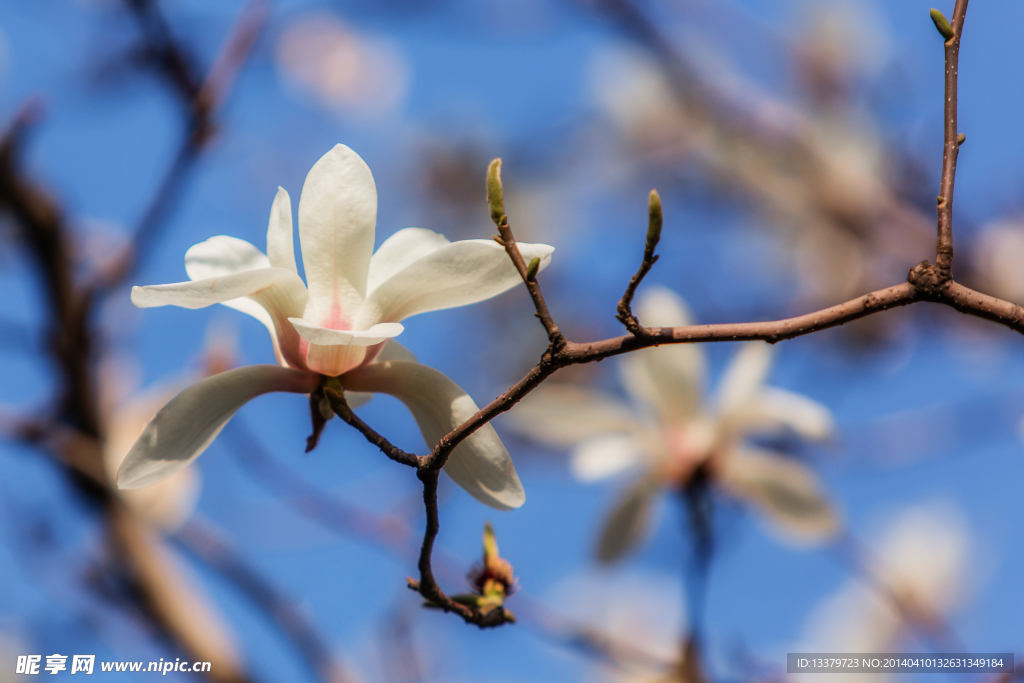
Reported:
(516, 84)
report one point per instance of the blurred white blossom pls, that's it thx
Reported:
(915, 575)
(340, 68)
(998, 259)
(672, 430)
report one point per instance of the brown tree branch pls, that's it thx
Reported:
(201, 98)
(336, 396)
(392, 534)
(951, 144)
(76, 432)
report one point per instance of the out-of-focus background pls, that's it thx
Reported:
(796, 146)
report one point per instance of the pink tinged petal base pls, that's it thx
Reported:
(184, 428)
(480, 464)
(333, 352)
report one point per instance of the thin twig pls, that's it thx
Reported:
(951, 145)
(201, 98)
(336, 396)
(391, 534)
(624, 311)
(555, 337)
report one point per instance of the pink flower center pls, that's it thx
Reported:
(336, 319)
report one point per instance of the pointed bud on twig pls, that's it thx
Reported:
(532, 268)
(655, 218)
(495, 192)
(961, 138)
(941, 23)
(492, 580)
(497, 238)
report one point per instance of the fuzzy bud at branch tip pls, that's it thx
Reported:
(655, 218)
(532, 268)
(941, 23)
(495, 192)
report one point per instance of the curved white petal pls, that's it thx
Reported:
(278, 291)
(280, 241)
(392, 350)
(337, 215)
(480, 464)
(775, 409)
(564, 415)
(628, 522)
(183, 428)
(603, 456)
(215, 290)
(323, 336)
(782, 488)
(222, 255)
(169, 503)
(668, 378)
(332, 352)
(744, 377)
(454, 274)
(399, 251)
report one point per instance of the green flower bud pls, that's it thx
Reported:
(495, 192)
(941, 23)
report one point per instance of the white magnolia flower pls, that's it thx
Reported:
(672, 431)
(337, 326)
(921, 561)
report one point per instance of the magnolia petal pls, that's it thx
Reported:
(603, 456)
(744, 377)
(628, 522)
(172, 501)
(668, 378)
(784, 489)
(777, 409)
(323, 336)
(223, 255)
(215, 290)
(332, 352)
(335, 359)
(183, 428)
(280, 241)
(392, 350)
(400, 250)
(278, 291)
(337, 216)
(451, 275)
(480, 464)
(564, 415)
